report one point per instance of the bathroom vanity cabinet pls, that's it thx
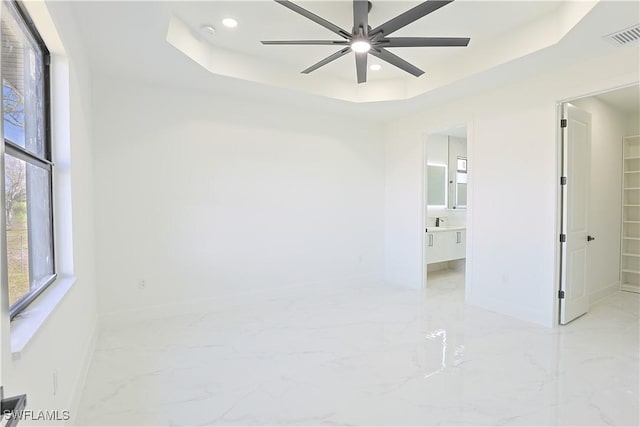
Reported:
(445, 244)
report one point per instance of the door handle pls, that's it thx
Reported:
(459, 237)
(430, 239)
(590, 238)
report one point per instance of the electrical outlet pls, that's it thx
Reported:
(142, 284)
(55, 382)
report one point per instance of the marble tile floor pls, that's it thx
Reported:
(368, 355)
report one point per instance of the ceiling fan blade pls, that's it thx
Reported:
(361, 16)
(306, 42)
(328, 59)
(395, 60)
(424, 42)
(409, 16)
(361, 67)
(315, 18)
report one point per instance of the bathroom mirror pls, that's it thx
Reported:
(437, 185)
(447, 154)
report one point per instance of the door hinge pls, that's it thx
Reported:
(563, 238)
(563, 123)
(561, 294)
(563, 180)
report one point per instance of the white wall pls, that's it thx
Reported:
(632, 127)
(512, 221)
(608, 127)
(209, 199)
(64, 343)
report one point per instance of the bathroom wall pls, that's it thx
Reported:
(437, 150)
(440, 149)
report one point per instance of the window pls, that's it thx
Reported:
(461, 183)
(462, 164)
(28, 167)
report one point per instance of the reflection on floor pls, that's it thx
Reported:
(368, 355)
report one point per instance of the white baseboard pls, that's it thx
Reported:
(600, 294)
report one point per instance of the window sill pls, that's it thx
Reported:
(25, 325)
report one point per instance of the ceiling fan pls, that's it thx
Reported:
(364, 40)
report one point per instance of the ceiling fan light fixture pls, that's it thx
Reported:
(360, 46)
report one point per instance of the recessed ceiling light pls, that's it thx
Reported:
(208, 30)
(375, 67)
(229, 22)
(360, 46)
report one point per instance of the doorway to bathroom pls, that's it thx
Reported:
(446, 186)
(599, 214)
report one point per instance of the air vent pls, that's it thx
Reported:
(624, 37)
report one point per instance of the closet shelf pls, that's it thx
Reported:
(630, 255)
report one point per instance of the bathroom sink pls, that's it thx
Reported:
(445, 228)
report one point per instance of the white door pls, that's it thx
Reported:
(576, 163)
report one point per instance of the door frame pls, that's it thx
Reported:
(468, 123)
(558, 174)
